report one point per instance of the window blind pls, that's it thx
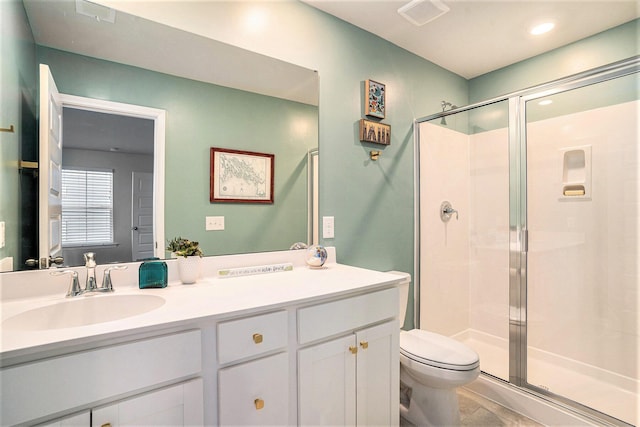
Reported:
(87, 207)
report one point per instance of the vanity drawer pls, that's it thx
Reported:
(239, 339)
(324, 320)
(255, 393)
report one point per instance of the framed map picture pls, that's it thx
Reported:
(375, 97)
(241, 176)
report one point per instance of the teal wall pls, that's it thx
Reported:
(200, 116)
(613, 45)
(17, 94)
(372, 201)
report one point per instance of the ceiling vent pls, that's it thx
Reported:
(419, 12)
(98, 12)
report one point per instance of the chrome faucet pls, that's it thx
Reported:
(90, 264)
(91, 286)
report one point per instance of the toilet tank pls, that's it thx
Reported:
(403, 287)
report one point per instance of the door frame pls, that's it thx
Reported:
(159, 119)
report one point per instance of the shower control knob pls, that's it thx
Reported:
(446, 211)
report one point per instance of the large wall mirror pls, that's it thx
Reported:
(213, 95)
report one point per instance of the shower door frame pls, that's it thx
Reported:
(518, 231)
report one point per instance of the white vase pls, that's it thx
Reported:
(189, 269)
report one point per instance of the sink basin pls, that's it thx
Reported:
(83, 311)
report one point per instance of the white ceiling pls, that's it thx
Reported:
(479, 36)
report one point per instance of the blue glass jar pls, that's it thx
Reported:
(152, 274)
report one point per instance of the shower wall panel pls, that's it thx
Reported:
(444, 265)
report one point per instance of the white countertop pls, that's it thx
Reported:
(211, 298)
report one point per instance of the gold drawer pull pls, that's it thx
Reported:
(106, 425)
(259, 404)
(364, 345)
(257, 338)
(353, 349)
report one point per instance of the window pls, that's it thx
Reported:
(87, 207)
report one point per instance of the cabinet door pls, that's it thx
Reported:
(82, 419)
(378, 372)
(255, 393)
(179, 405)
(327, 383)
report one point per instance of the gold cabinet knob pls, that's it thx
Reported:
(364, 345)
(259, 404)
(353, 349)
(257, 338)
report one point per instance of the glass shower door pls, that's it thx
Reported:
(464, 257)
(582, 261)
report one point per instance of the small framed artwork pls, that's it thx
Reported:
(375, 132)
(241, 176)
(375, 97)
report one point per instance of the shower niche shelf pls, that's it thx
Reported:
(576, 173)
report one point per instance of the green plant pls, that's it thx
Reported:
(184, 247)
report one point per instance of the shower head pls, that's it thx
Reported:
(446, 105)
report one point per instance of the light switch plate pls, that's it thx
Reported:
(328, 227)
(2, 234)
(214, 223)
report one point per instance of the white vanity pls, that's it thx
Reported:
(303, 347)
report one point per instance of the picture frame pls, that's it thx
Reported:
(376, 132)
(375, 95)
(238, 176)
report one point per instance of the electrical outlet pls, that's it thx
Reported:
(214, 223)
(327, 227)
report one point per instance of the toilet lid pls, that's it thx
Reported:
(437, 350)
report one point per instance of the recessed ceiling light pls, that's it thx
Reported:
(542, 28)
(545, 102)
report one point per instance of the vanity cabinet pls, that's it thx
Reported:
(351, 379)
(45, 387)
(254, 392)
(178, 405)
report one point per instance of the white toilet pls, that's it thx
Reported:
(431, 367)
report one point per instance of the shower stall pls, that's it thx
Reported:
(533, 260)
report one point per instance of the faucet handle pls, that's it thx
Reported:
(107, 284)
(74, 288)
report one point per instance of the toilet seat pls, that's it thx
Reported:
(437, 351)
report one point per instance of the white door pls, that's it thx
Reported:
(50, 169)
(142, 215)
(378, 375)
(327, 383)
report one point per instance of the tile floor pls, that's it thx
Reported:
(476, 411)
